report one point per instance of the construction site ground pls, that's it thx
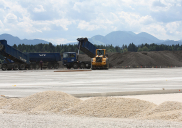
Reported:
(27, 82)
(153, 86)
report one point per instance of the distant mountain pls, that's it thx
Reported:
(116, 38)
(124, 37)
(15, 40)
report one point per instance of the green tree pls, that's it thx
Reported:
(145, 48)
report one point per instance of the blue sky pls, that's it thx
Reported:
(63, 21)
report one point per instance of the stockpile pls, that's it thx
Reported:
(110, 107)
(152, 58)
(45, 101)
(148, 59)
(169, 110)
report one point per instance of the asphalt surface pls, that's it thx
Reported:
(24, 83)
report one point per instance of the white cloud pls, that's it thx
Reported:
(58, 41)
(1, 24)
(10, 18)
(146, 20)
(65, 19)
(173, 27)
(39, 8)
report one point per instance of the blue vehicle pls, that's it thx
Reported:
(15, 59)
(20, 59)
(50, 60)
(71, 60)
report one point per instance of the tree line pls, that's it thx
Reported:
(109, 48)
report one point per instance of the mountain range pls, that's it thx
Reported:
(116, 38)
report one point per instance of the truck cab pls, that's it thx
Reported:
(69, 58)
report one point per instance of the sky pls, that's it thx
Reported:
(63, 21)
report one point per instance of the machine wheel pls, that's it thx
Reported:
(68, 67)
(93, 68)
(31, 66)
(37, 66)
(15, 67)
(75, 66)
(4, 67)
(50, 66)
(56, 65)
(22, 66)
(82, 65)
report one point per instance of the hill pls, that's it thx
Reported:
(15, 40)
(116, 38)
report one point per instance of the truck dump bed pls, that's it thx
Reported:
(45, 57)
(85, 46)
(12, 53)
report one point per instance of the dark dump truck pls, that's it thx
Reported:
(72, 60)
(15, 59)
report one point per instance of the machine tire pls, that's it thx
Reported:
(37, 66)
(31, 66)
(68, 67)
(50, 66)
(56, 65)
(15, 67)
(4, 67)
(75, 66)
(93, 68)
(82, 65)
(22, 67)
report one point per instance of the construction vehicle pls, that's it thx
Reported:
(99, 58)
(14, 59)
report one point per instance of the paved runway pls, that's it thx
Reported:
(23, 83)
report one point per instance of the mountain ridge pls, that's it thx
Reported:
(116, 38)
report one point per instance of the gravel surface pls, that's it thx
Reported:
(63, 121)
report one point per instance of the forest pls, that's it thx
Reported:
(109, 48)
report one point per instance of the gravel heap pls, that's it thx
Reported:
(4, 101)
(45, 101)
(169, 110)
(152, 58)
(110, 107)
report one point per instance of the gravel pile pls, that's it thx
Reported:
(4, 101)
(169, 110)
(102, 107)
(110, 107)
(152, 58)
(45, 101)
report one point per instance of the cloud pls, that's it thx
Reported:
(83, 25)
(69, 19)
(39, 8)
(10, 18)
(158, 3)
(1, 24)
(58, 41)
